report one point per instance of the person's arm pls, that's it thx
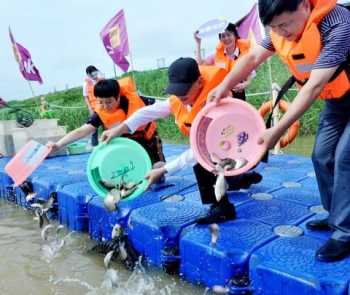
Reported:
(243, 85)
(336, 42)
(142, 116)
(244, 66)
(198, 50)
(184, 160)
(302, 102)
(72, 136)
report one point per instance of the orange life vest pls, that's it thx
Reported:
(212, 76)
(130, 102)
(90, 84)
(301, 55)
(224, 61)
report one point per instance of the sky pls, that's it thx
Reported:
(63, 36)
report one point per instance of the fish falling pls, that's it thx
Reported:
(117, 192)
(41, 210)
(111, 277)
(214, 231)
(222, 165)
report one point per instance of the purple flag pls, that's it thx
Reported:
(115, 39)
(24, 59)
(250, 27)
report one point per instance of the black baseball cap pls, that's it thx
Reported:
(182, 73)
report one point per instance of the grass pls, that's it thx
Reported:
(153, 83)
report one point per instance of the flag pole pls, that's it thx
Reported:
(31, 88)
(115, 71)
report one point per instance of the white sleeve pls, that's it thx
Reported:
(159, 109)
(84, 89)
(184, 160)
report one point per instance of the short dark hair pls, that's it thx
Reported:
(107, 88)
(232, 29)
(268, 9)
(90, 69)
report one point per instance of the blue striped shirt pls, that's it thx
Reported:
(335, 39)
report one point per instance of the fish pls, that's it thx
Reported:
(220, 289)
(122, 251)
(44, 232)
(214, 231)
(107, 259)
(117, 231)
(241, 162)
(107, 184)
(220, 186)
(112, 199)
(40, 214)
(30, 196)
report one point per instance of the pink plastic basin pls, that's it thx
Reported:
(230, 130)
(28, 158)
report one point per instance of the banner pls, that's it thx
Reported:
(24, 59)
(115, 39)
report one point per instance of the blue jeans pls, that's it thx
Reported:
(331, 160)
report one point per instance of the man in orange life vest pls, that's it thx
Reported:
(93, 75)
(117, 101)
(189, 85)
(313, 38)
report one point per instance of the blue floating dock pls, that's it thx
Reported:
(249, 256)
(288, 266)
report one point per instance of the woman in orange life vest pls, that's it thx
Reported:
(116, 101)
(189, 85)
(93, 75)
(229, 49)
(313, 38)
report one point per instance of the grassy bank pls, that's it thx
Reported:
(153, 83)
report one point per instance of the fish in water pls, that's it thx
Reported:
(44, 232)
(214, 231)
(40, 214)
(41, 210)
(111, 276)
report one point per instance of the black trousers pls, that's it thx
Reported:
(206, 181)
(239, 95)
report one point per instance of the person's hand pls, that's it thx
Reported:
(269, 138)
(154, 176)
(197, 38)
(54, 146)
(240, 87)
(217, 93)
(108, 135)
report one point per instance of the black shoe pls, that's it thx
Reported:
(333, 250)
(219, 213)
(245, 181)
(318, 224)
